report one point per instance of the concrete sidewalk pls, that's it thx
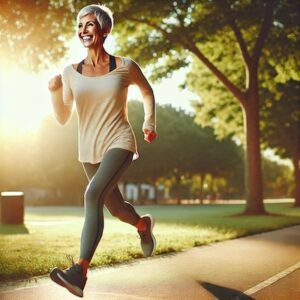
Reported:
(263, 266)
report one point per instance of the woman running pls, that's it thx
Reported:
(98, 85)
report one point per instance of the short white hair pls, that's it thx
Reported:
(102, 13)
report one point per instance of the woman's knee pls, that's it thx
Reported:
(92, 195)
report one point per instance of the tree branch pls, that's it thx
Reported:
(187, 44)
(151, 24)
(239, 37)
(240, 95)
(179, 17)
(264, 30)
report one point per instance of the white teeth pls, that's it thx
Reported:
(87, 38)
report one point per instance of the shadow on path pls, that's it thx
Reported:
(224, 293)
(13, 229)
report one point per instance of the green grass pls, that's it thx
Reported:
(50, 233)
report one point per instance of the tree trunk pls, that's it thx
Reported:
(296, 163)
(250, 104)
(253, 178)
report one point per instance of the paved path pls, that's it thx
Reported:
(264, 266)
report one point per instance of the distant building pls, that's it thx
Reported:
(144, 191)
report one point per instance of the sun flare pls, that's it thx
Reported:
(24, 101)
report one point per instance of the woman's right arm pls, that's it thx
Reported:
(62, 111)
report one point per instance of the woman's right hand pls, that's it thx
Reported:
(55, 83)
(149, 135)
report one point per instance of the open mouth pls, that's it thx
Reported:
(87, 38)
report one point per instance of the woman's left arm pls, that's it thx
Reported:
(138, 78)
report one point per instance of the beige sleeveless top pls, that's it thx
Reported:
(101, 105)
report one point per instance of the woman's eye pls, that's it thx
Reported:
(80, 25)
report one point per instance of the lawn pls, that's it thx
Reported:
(50, 233)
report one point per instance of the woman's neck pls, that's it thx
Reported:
(96, 56)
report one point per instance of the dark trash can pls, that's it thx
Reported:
(12, 208)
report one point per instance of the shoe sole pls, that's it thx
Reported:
(75, 290)
(151, 232)
(62, 282)
(55, 278)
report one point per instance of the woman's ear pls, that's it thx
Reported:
(106, 32)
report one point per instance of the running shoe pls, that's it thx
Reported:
(148, 241)
(71, 278)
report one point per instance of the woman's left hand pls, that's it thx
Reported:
(149, 135)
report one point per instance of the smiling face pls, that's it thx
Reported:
(89, 31)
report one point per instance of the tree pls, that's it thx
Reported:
(279, 107)
(179, 28)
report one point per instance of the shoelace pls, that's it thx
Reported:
(75, 268)
(70, 259)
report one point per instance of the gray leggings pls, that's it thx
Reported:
(103, 190)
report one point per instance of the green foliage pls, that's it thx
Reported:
(278, 76)
(282, 51)
(277, 180)
(181, 147)
(216, 108)
(281, 119)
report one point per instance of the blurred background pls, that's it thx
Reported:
(194, 54)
